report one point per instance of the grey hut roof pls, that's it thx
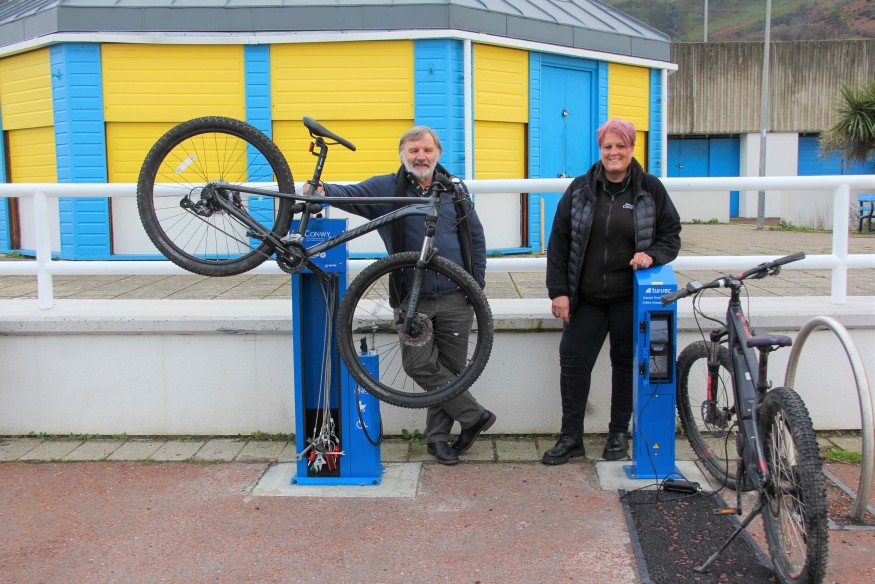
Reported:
(579, 24)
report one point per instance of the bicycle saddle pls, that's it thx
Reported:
(767, 339)
(317, 129)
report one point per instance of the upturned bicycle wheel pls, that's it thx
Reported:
(795, 516)
(369, 323)
(708, 424)
(185, 173)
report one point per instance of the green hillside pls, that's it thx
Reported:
(744, 20)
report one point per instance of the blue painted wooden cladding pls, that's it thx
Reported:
(567, 101)
(5, 242)
(80, 142)
(811, 163)
(256, 63)
(706, 157)
(439, 98)
(654, 137)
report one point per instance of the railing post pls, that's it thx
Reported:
(45, 291)
(841, 202)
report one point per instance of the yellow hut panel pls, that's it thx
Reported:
(629, 94)
(500, 149)
(32, 155)
(501, 84)
(321, 80)
(172, 83)
(26, 90)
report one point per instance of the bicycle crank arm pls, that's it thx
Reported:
(756, 511)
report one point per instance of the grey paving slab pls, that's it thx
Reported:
(15, 448)
(398, 480)
(848, 443)
(289, 452)
(94, 450)
(176, 450)
(394, 450)
(483, 450)
(418, 453)
(261, 451)
(52, 450)
(136, 449)
(516, 450)
(224, 449)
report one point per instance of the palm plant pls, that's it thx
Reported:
(853, 133)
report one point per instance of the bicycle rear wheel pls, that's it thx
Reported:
(795, 517)
(368, 322)
(708, 424)
(184, 173)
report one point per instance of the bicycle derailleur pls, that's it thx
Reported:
(202, 201)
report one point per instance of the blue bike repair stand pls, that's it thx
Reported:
(358, 460)
(653, 375)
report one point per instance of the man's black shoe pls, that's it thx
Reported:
(443, 453)
(566, 447)
(617, 446)
(468, 435)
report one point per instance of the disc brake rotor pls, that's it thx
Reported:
(421, 331)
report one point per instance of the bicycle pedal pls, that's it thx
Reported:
(727, 511)
(681, 486)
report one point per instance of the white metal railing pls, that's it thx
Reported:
(838, 262)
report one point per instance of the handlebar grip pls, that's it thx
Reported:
(766, 266)
(674, 296)
(799, 255)
(443, 180)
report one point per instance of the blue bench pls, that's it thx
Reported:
(867, 211)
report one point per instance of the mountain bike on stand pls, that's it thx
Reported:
(725, 402)
(216, 197)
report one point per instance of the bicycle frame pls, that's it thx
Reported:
(290, 247)
(748, 389)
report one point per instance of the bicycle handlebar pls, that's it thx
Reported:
(694, 287)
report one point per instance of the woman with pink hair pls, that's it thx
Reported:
(612, 220)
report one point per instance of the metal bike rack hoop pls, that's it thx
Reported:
(867, 409)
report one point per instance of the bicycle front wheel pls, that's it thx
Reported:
(183, 176)
(370, 319)
(708, 421)
(795, 517)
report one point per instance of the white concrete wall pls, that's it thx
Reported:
(225, 367)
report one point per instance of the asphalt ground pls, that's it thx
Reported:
(91, 509)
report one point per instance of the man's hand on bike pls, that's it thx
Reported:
(308, 188)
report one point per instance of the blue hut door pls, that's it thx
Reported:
(568, 134)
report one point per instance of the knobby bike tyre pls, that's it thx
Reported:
(713, 440)
(183, 224)
(367, 322)
(795, 517)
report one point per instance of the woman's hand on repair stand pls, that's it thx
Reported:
(641, 260)
(562, 308)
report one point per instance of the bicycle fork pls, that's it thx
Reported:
(427, 252)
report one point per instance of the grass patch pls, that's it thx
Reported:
(414, 436)
(836, 454)
(275, 437)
